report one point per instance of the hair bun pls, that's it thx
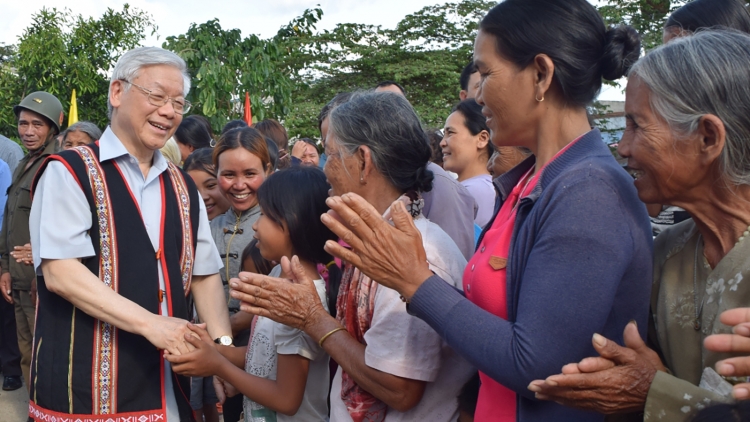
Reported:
(423, 179)
(621, 51)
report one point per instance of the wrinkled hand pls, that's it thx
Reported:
(203, 361)
(392, 255)
(739, 342)
(167, 333)
(221, 395)
(292, 302)
(5, 287)
(23, 255)
(616, 382)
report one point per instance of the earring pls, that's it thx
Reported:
(362, 180)
(536, 97)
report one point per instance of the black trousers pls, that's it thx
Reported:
(10, 355)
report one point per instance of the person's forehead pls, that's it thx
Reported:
(30, 116)
(162, 77)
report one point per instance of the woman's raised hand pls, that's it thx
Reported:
(292, 302)
(392, 255)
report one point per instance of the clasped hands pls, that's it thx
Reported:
(618, 380)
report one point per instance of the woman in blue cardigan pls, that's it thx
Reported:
(568, 252)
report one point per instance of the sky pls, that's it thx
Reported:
(261, 17)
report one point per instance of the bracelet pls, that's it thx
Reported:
(322, 339)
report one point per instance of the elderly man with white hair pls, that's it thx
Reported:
(113, 278)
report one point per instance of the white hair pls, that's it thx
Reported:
(705, 73)
(130, 64)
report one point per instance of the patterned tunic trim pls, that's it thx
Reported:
(104, 391)
(41, 414)
(183, 200)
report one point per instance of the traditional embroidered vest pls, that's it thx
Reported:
(86, 369)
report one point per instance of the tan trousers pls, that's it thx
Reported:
(25, 314)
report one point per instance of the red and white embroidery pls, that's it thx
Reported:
(183, 201)
(104, 362)
(41, 414)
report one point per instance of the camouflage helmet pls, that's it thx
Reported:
(45, 104)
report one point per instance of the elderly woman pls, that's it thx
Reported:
(686, 142)
(568, 252)
(392, 366)
(80, 133)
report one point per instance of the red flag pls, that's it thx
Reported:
(248, 111)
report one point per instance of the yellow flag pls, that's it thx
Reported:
(73, 115)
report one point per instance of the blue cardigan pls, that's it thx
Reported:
(580, 263)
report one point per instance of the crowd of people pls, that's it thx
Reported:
(500, 268)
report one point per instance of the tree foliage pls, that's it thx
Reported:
(225, 66)
(425, 53)
(60, 52)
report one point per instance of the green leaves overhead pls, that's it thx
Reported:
(60, 51)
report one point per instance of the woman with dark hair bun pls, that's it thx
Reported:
(703, 14)
(192, 134)
(568, 252)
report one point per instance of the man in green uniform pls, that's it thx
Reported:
(39, 115)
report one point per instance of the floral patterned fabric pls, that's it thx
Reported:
(676, 396)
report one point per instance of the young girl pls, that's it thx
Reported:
(286, 373)
(200, 166)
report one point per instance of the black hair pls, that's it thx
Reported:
(572, 34)
(193, 132)
(273, 152)
(725, 412)
(201, 159)
(469, 70)
(233, 124)
(262, 265)
(474, 120)
(247, 138)
(436, 137)
(384, 84)
(309, 142)
(296, 197)
(340, 98)
(711, 13)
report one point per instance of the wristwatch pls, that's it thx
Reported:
(224, 340)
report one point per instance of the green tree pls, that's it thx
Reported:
(225, 66)
(425, 53)
(61, 51)
(646, 16)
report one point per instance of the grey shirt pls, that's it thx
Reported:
(10, 152)
(232, 233)
(451, 206)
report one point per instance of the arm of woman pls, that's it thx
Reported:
(298, 305)
(573, 261)
(283, 395)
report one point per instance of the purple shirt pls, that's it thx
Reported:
(451, 206)
(483, 191)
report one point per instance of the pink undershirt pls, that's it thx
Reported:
(485, 281)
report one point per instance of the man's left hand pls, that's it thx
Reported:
(616, 382)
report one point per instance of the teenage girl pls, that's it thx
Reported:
(286, 374)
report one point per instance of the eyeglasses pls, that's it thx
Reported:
(158, 98)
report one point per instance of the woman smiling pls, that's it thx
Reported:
(466, 150)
